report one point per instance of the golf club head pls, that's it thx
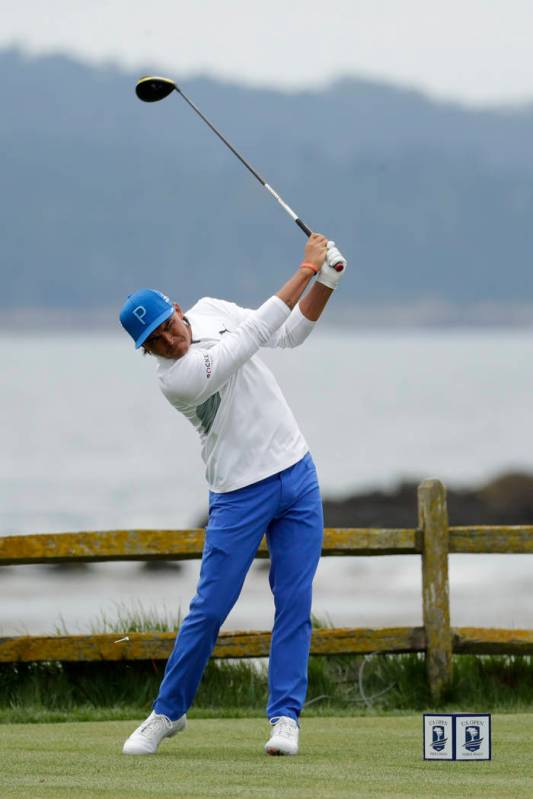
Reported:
(151, 88)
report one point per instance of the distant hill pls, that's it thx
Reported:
(102, 194)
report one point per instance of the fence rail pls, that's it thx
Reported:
(339, 641)
(433, 539)
(183, 545)
(141, 545)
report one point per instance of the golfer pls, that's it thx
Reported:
(261, 477)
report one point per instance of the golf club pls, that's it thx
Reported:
(152, 88)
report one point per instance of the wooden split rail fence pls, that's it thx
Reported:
(433, 539)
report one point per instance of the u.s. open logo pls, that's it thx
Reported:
(473, 739)
(438, 738)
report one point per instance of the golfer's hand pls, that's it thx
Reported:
(328, 275)
(316, 249)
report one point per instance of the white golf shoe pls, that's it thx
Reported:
(283, 737)
(147, 737)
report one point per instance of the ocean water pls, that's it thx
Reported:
(87, 442)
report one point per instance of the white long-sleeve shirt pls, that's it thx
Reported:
(247, 430)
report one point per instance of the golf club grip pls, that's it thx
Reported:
(303, 227)
(337, 267)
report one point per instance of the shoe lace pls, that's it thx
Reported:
(154, 724)
(284, 726)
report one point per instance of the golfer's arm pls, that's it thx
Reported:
(302, 319)
(293, 289)
(315, 301)
(201, 373)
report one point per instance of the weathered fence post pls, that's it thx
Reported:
(433, 520)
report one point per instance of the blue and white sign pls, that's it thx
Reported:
(472, 736)
(438, 737)
(457, 736)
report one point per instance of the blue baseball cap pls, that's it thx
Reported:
(142, 312)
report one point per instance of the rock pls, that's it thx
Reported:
(506, 500)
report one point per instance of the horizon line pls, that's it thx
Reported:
(329, 81)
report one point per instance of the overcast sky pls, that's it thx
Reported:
(478, 51)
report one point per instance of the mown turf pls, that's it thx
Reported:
(343, 757)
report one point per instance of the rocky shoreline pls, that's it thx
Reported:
(506, 500)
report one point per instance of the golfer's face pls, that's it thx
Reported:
(171, 339)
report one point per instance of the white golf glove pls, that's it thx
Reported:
(329, 276)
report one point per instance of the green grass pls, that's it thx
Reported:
(136, 618)
(340, 758)
(347, 685)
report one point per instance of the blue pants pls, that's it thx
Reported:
(288, 508)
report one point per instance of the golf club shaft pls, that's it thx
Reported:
(248, 166)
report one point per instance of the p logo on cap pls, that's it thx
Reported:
(140, 313)
(143, 311)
